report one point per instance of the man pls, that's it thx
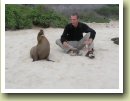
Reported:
(72, 40)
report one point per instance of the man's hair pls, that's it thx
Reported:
(75, 14)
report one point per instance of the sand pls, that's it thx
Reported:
(67, 72)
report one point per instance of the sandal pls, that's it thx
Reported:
(90, 54)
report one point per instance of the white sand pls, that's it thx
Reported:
(70, 72)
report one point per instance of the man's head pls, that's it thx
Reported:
(74, 19)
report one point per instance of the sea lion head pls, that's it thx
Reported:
(40, 36)
(41, 32)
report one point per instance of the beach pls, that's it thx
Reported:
(67, 72)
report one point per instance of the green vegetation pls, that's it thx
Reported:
(93, 17)
(102, 15)
(22, 16)
(110, 11)
(25, 16)
(17, 17)
(44, 17)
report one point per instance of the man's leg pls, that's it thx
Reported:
(82, 44)
(71, 45)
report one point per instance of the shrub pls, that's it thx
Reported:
(58, 20)
(10, 21)
(44, 17)
(17, 17)
(24, 16)
(93, 17)
(109, 11)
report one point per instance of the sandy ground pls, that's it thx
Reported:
(68, 72)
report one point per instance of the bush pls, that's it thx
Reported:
(25, 16)
(44, 17)
(93, 17)
(10, 21)
(17, 17)
(38, 18)
(58, 20)
(102, 15)
(109, 11)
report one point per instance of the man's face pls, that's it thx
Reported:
(74, 20)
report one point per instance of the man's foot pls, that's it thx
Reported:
(90, 54)
(74, 53)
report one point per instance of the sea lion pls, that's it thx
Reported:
(42, 49)
(33, 53)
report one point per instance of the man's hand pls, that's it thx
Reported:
(88, 41)
(65, 44)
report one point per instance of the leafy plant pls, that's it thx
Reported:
(17, 17)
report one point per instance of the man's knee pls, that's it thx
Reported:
(58, 42)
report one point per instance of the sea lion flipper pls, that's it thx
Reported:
(50, 60)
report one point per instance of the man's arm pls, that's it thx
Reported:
(64, 35)
(92, 32)
(64, 38)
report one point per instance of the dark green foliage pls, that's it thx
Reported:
(22, 16)
(58, 20)
(25, 16)
(44, 17)
(93, 17)
(17, 17)
(102, 15)
(110, 11)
